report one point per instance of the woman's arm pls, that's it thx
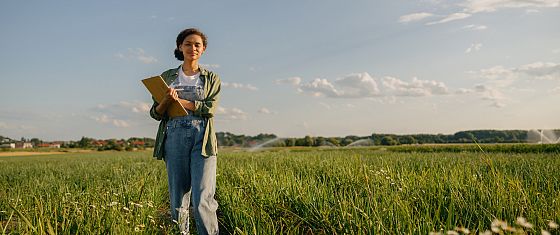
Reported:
(189, 105)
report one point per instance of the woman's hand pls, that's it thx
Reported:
(170, 96)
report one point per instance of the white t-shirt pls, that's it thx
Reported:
(184, 80)
(188, 87)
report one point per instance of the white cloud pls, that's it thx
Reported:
(327, 106)
(239, 86)
(122, 114)
(3, 125)
(464, 91)
(414, 17)
(531, 11)
(362, 85)
(553, 90)
(137, 54)
(295, 81)
(357, 85)
(556, 51)
(451, 17)
(475, 6)
(264, 110)
(475, 27)
(124, 107)
(473, 47)
(320, 87)
(491, 94)
(541, 70)
(230, 114)
(496, 72)
(115, 122)
(500, 77)
(415, 88)
(536, 70)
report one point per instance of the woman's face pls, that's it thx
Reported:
(192, 47)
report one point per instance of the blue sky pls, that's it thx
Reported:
(293, 68)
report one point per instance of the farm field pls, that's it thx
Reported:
(289, 191)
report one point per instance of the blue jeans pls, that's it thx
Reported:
(189, 173)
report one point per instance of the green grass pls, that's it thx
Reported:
(310, 190)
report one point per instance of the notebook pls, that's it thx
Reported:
(157, 87)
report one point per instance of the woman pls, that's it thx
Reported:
(188, 143)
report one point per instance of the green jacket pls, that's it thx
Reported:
(203, 108)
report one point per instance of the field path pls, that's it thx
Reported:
(15, 154)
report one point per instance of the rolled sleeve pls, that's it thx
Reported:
(153, 113)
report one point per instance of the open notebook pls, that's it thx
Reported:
(157, 87)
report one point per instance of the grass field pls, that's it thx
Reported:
(288, 191)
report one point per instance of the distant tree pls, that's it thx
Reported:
(334, 141)
(389, 140)
(85, 142)
(308, 141)
(407, 139)
(35, 141)
(320, 141)
(346, 141)
(464, 137)
(290, 142)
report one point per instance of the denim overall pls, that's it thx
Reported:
(188, 172)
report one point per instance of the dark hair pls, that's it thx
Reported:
(184, 34)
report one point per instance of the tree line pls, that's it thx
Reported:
(471, 136)
(230, 139)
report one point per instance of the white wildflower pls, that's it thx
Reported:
(523, 222)
(462, 230)
(487, 232)
(552, 224)
(452, 232)
(544, 232)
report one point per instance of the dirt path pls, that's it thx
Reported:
(3, 154)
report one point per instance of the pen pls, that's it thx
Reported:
(179, 89)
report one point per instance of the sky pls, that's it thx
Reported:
(292, 68)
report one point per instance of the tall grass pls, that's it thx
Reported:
(83, 193)
(367, 192)
(315, 191)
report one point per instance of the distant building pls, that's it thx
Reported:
(48, 145)
(23, 145)
(99, 143)
(54, 145)
(138, 143)
(8, 145)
